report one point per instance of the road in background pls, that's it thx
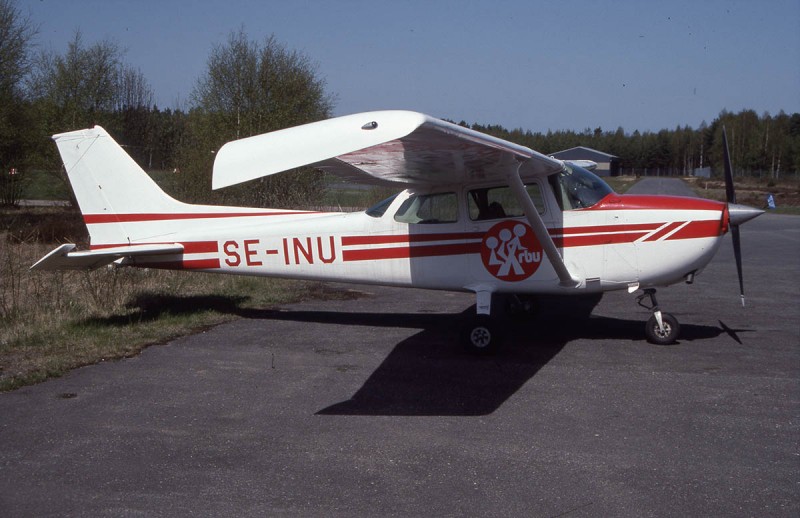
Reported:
(661, 185)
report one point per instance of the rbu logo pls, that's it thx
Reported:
(510, 251)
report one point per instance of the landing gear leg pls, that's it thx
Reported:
(661, 328)
(481, 334)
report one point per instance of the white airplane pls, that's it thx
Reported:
(478, 214)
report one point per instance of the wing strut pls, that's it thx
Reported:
(549, 247)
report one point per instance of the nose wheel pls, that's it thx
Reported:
(661, 328)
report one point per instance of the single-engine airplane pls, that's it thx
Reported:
(478, 214)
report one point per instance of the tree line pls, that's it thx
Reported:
(765, 145)
(250, 87)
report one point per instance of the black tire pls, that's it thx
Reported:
(671, 330)
(481, 335)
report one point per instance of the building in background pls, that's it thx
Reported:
(607, 165)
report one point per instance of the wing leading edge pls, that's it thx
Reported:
(386, 147)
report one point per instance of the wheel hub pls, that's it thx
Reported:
(480, 337)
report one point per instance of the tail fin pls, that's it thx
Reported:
(109, 185)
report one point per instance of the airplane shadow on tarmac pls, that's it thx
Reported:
(428, 374)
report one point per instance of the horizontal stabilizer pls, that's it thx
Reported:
(63, 257)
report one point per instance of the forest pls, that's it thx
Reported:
(761, 145)
(251, 87)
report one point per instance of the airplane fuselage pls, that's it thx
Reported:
(620, 242)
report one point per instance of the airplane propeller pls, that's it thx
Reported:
(737, 214)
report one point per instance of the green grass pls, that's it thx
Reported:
(788, 210)
(753, 192)
(51, 322)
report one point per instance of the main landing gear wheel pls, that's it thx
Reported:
(665, 335)
(481, 335)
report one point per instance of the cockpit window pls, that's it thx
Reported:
(429, 208)
(379, 209)
(500, 202)
(577, 188)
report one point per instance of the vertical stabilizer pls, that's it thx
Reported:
(109, 185)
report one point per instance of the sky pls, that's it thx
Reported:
(536, 65)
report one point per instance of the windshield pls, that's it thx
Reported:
(577, 188)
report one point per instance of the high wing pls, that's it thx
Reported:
(384, 147)
(63, 257)
(395, 147)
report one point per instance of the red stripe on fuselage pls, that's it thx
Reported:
(385, 239)
(654, 202)
(93, 219)
(596, 240)
(200, 247)
(562, 237)
(607, 229)
(191, 264)
(664, 231)
(698, 229)
(406, 252)
(189, 247)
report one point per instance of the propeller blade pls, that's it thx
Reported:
(737, 253)
(741, 214)
(730, 193)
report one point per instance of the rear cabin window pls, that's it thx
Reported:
(500, 202)
(429, 209)
(379, 209)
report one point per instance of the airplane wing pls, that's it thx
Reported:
(63, 257)
(384, 147)
(395, 147)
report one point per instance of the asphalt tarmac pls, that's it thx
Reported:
(368, 407)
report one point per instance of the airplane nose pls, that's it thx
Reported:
(738, 214)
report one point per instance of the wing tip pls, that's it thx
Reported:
(262, 155)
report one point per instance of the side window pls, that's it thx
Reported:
(500, 202)
(429, 208)
(379, 209)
